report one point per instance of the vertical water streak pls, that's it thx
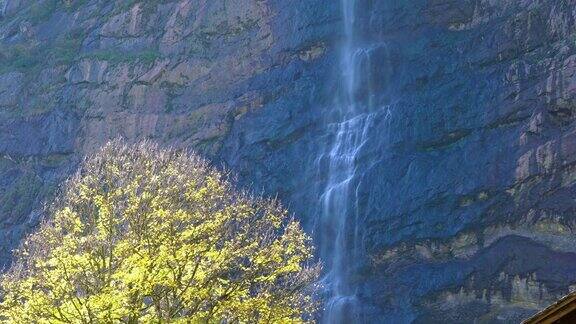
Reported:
(340, 241)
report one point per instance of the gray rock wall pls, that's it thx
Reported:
(467, 187)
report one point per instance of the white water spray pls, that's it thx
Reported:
(340, 238)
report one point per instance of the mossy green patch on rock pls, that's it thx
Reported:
(115, 57)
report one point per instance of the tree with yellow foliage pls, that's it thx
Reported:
(144, 234)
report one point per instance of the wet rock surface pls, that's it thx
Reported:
(467, 182)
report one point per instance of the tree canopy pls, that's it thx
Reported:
(145, 234)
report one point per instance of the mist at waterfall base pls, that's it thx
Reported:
(357, 107)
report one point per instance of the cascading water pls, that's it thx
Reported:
(339, 235)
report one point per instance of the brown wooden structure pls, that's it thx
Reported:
(561, 312)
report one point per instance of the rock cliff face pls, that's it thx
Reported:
(233, 79)
(467, 187)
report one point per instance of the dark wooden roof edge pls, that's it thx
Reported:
(555, 311)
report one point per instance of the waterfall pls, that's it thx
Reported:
(339, 235)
